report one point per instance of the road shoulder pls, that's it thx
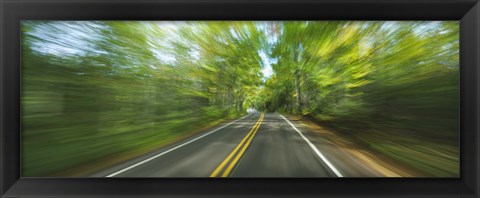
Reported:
(352, 159)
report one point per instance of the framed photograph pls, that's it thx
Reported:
(245, 98)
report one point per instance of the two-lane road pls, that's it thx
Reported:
(257, 145)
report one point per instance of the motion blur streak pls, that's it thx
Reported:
(97, 94)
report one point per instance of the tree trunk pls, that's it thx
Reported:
(299, 91)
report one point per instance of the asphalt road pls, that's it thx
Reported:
(257, 145)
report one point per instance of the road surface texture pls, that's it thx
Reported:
(256, 145)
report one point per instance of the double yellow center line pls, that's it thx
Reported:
(237, 153)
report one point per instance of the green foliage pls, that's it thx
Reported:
(96, 89)
(375, 81)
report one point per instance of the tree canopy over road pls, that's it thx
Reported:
(107, 89)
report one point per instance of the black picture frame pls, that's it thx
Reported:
(13, 11)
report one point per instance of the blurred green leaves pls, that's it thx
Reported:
(374, 81)
(97, 89)
(93, 90)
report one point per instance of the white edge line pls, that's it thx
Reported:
(172, 149)
(330, 165)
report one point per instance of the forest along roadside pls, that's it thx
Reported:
(351, 157)
(94, 91)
